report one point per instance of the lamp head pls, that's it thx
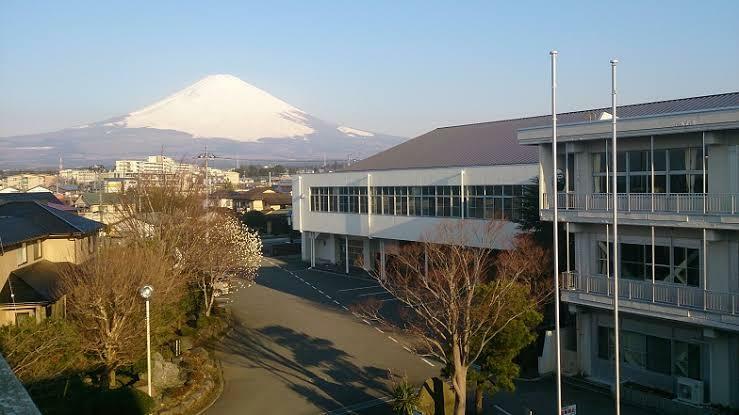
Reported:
(146, 291)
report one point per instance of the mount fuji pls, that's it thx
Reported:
(233, 118)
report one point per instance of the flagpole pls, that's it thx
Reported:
(557, 348)
(614, 62)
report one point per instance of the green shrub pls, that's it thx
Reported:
(404, 397)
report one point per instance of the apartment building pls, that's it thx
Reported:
(473, 173)
(36, 241)
(678, 242)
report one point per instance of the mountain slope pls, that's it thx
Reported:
(234, 118)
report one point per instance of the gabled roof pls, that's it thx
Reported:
(496, 143)
(30, 220)
(36, 283)
(94, 198)
(46, 197)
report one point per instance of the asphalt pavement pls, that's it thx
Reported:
(296, 347)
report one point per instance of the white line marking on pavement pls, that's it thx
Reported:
(360, 288)
(377, 293)
(337, 303)
(379, 329)
(368, 323)
(352, 409)
(319, 290)
(409, 350)
(391, 338)
(427, 362)
(329, 297)
(345, 307)
(501, 410)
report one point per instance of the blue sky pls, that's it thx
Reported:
(395, 67)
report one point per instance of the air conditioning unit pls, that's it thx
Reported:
(689, 390)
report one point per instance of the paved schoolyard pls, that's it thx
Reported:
(297, 349)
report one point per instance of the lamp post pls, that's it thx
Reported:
(146, 291)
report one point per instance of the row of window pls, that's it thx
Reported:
(22, 252)
(652, 353)
(675, 171)
(676, 265)
(483, 202)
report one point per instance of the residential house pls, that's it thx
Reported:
(36, 242)
(262, 199)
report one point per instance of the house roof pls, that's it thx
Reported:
(36, 283)
(496, 143)
(264, 193)
(46, 197)
(29, 220)
(93, 198)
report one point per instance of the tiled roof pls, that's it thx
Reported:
(495, 142)
(29, 220)
(23, 196)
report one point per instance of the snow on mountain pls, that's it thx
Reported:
(234, 118)
(353, 132)
(223, 106)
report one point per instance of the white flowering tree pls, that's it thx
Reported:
(228, 258)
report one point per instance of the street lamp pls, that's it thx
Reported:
(146, 291)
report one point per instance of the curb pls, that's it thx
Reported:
(219, 388)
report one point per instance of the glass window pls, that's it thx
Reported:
(22, 254)
(660, 160)
(632, 261)
(639, 161)
(599, 162)
(678, 183)
(687, 360)
(606, 342)
(660, 183)
(634, 349)
(687, 266)
(658, 354)
(677, 159)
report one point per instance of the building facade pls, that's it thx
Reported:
(678, 242)
(470, 174)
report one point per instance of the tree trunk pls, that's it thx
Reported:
(205, 298)
(479, 396)
(111, 378)
(459, 381)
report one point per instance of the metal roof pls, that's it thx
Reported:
(30, 220)
(496, 143)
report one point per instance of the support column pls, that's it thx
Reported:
(382, 259)
(567, 241)
(705, 268)
(312, 249)
(369, 205)
(653, 261)
(346, 253)
(462, 194)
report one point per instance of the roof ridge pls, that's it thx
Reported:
(588, 110)
(56, 215)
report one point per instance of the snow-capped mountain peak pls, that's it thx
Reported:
(353, 132)
(223, 106)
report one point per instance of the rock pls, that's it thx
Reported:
(164, 374)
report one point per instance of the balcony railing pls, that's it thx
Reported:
(657, 293)
(691, 203)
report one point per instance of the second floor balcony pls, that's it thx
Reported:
(678, 302)
(720, 210)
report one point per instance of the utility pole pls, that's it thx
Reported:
(206, 156)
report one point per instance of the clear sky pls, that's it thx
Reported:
(400, 67)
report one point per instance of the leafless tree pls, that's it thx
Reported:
(104, 303)
(455, 287)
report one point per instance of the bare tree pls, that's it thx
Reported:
(104, 303)
(460, 293)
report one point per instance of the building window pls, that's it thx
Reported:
(22, 254)
(606, 343)
(675, 265)
(687, 360)
(38, 250)
(658, 354)
(675, 171)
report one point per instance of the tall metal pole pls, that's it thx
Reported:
(617, 353)
(557, 347)
(148, 349)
